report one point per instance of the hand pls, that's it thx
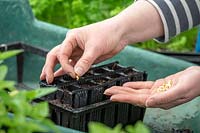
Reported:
(94, 43)
(82, 47)
(185, 87)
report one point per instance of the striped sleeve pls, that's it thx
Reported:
(177, 16)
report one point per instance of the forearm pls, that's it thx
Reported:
(146, 19)
(139, 22)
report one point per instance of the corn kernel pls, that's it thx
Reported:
(165, 86)
(77, 77)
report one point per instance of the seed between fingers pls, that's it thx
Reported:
(77, 77)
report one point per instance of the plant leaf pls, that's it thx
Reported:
(2, 109)
(40, 110)
(117, 128)
(3, 71)
(96, 127)
(37, 93)
(7, 85)
(1, 61)
(139, 127)
(30, 126)
(8, 54)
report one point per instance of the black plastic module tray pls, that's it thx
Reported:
(109, 113)
(90, 88)
(75, 103)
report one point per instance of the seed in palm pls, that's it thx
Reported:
(165, 86)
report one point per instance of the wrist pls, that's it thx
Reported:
(139, 22)
(115, 28)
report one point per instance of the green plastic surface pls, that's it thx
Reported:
(19, 24)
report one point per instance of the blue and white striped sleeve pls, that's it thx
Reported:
(177, 16)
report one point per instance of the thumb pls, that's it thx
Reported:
(85, 62)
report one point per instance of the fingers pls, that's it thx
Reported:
(139, 84)
(60, 53)
(42, 75)
(124, 90)
(59, 72)
(51, 61)
(128, 95)
(87, 59)
(66, 49)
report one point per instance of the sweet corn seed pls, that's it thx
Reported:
(77, 77)
(165, 86)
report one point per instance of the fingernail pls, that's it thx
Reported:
(146, 104)
(105, 93)
(124, 84)
(72, 75)
(112, 99)
(79, 71)
(47, 81)
(41, 77)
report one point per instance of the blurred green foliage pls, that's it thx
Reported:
(139, 127)
(19, 103)
(185, 42)
(76, 13)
